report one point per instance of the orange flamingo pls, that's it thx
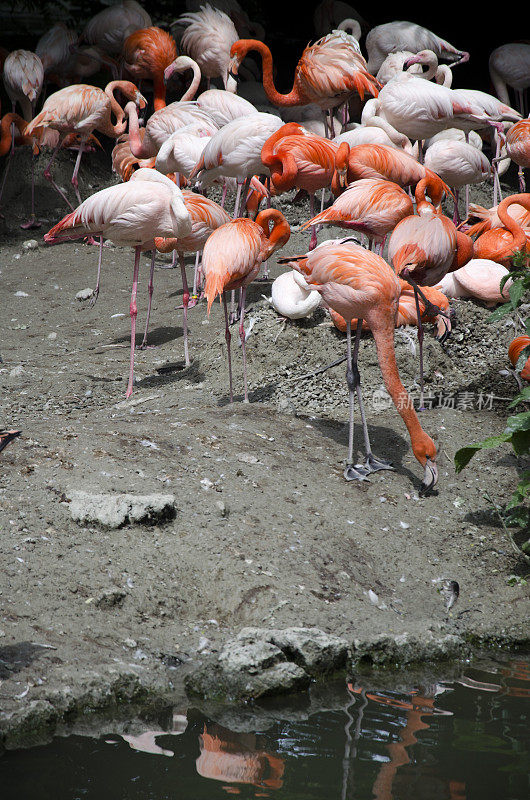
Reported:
(515, 349)
(147, 52)
(518, 148)
(424, 247)
(232, 258)
(500, 244)
(131, 215)
(328, 73)
(381, 161)
(232, 758)
(488, 219)
(372, 206)
(206, 216)
(83, 109)
(299, 159)
(360, 284)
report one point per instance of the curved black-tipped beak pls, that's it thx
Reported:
(430, 478)
(234, 76)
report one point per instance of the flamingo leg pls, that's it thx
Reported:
(185, 301)
(197, 280)
(150, 289)
(372, 463)
(242, 338)
(133, 311)
(48, 176)
(75, 182)
(100, 259)
(456, 215)
(351, 473)
(228, 337)
(420, 344)
(313, 241)
(238, 196)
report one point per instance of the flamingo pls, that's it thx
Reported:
(488, 218)
(509, 65)
(394, 63)
(381, 161)
(206, 216)
(131, 214)
(147, 52)
(423, 247)
(109, 29)
(458, 164)
(328, 73)
(227, 757)
(518, 148)
(235, 151)
(480, 278)
(232, 258)
(359, 284)
(393, 36)
(208, 38)
(516, 348)
(500, 244)
(299, 159)
(124, 163)
(83, 109)
(371, 205)
(165, 122)
(375, 131)
(223, 106)
(23, 76)
(291, 296)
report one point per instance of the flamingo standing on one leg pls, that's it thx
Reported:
(83, 109)
(131, 214)
(147, 52)
(23, 78)
(371, 205)
(360, 284)
(423, 247)
(232, 258)
(206, 216)
(302, 160)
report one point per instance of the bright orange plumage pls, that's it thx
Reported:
(147, 52)
(514, 351)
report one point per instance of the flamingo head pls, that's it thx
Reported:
(425, 451)
(341, 164)
(180, 64)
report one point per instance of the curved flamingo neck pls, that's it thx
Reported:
(191, 91)
(5, 132)
(280, 232)
(519, 238)
(116, 109)
(159, 90)
(136, 145)
(293, 98)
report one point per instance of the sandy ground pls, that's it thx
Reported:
(267, 531)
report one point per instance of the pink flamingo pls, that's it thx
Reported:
(23, 78)
(208, 38)
(131, 214)
(372, 206)
(206, 216)
(165, 122)
(518, 148)
(360, 285)
(302, 160)
(402, 35)
(232, 258)
(423, 247)
(83, 109)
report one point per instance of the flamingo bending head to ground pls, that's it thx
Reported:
(131, 214)
(359, 284)
(501, 244)
(232, 258)
(147, 52)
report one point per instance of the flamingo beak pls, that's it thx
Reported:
(430, 478)
(410, 61)
(343, 182)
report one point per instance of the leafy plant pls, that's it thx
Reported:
(517, 430)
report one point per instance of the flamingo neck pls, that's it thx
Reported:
(136, 145)
(116, 109)
(293, 98)
(191, 91)
(280, 232)
(5, 132)
(519, 238)
(159, 88)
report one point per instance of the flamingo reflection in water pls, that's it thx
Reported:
(234, 758)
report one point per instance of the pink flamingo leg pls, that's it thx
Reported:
(133, 311)
(48, 176)
(197, 281)
(238, 196)
(456, 215)
(150, 288)
(185, 300)
(75, 182)
(228, 337)
(351, 473)
(242, 338)
(313, 240)
(100, 259)
(420, 345)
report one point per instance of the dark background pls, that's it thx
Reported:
(289, 26)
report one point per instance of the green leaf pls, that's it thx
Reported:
(522, 397)
(521, 442)
(465, 454)
(518, 422)
(500, 312)
(516, 291)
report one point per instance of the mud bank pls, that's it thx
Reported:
(263, 531)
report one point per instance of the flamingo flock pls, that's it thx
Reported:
(408, 140)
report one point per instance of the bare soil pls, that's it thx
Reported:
(267, 531)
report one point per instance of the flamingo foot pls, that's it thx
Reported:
(357, 473)
(374, 464)
(31, 223)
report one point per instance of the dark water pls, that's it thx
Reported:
(458, 740)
